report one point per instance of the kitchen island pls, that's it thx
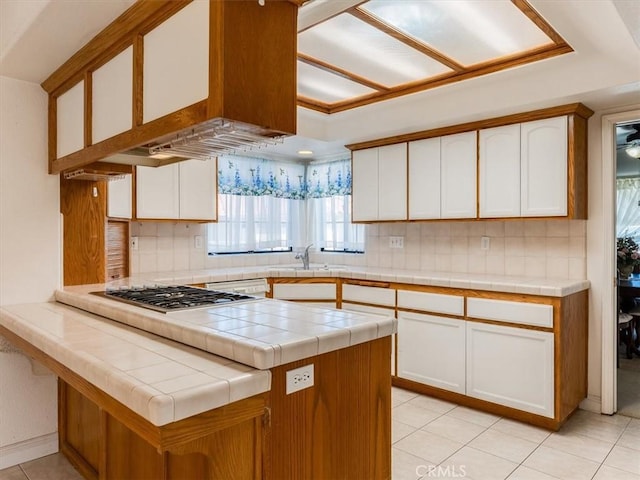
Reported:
(135, 404)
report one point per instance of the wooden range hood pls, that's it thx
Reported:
(248, 78)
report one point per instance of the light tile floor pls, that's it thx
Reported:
(436, 439)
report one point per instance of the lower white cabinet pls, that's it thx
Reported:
(431, 350)
(322, 294)
(511, 366)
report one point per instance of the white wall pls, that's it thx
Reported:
(29, 266)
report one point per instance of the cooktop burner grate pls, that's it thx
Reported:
(174, 297)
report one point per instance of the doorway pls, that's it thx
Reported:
(607, 284)
(627, 233)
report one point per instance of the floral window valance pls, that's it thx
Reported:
(257, 177)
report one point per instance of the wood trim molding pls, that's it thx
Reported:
(568, 109)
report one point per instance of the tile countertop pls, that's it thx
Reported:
(161, 380)
(495, 283)
(262, 334)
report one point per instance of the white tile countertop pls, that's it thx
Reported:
(263, 333)
(161, 380)
(494, 283)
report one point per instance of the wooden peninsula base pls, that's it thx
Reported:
(339, 428)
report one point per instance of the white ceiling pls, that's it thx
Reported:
(603, 72)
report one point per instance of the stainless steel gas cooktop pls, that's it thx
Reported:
(173, 298)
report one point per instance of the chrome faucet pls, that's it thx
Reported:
(304, 257)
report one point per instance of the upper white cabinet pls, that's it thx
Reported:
(379, 185)
(500, 172)
(458, 163)
(70, 120)
(544, 167)
(197, 190)
(119, 198)
(157, 194)
(112, 97)
(442, 177)
(185, 191)
(424, 179)
(524, 169)
(176, 62)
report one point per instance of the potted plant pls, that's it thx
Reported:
(628, 256)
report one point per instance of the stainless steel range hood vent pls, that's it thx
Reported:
(210, 139)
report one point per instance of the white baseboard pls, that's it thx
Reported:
(27, 450)
(592, 404)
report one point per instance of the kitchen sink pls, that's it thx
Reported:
(312, 268)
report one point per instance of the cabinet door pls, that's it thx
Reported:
(392, 182)
(176, 62)
(70, 121)
(119, 197)
(458, 163)
(500, 172)
(197, 189)
(431, 350)
(364, 188)
(511, 366)
(305, 291)
(112, 97)
(544, 161)
(424, 179)
(157, 192)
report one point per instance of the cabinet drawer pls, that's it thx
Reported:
(315, 291)
(431, 302)
(373, 295)
(513, 312)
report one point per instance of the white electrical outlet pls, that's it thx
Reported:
(299, 378)
(197, 241)
(485, 243)
(134, 243)
(396, 242)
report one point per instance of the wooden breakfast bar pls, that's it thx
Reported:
(137, 405)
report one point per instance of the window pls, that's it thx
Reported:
(266, 206)
(628, 208)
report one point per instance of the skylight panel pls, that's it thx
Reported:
(327, 87)
(468, 31)
(355, 46)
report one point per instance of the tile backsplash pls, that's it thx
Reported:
(531, 248)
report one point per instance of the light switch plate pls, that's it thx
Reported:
(485, 243)
(396, 242)
(134, 243)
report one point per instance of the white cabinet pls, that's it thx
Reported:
(499, 176)
(157, 193)
(197, 190)
(511, 366)
(176, 62)
(524, 169)
(184, 190)
(431, 350)
(369, 294)
(442, 177)
(379, 188)
(70, 121)
(534, 314)
(119, 197)
(458, 164)
(424, 179)
(322, 293)
(112, 97)
(544, 167)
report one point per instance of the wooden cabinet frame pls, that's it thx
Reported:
(252, 63)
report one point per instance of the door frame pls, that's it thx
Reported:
(609, 327)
